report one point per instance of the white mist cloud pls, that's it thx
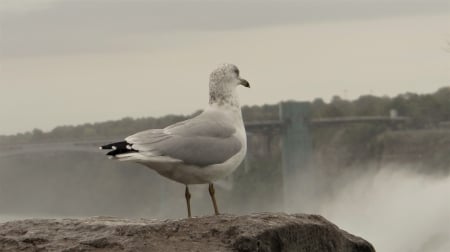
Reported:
(395, 210)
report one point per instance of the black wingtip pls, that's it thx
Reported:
(112, 146)
(118, 148)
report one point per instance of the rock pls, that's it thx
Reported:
(255, 232)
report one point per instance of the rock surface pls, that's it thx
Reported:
(256, 232)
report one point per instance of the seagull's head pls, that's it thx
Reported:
(226, 76)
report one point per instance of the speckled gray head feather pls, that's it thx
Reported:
(223, 71)
(222, 84)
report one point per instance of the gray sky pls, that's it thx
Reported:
(71, 62)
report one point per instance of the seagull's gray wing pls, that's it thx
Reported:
(201, 141)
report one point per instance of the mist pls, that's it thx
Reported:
(394, 208)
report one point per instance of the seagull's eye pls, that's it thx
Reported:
(236, 71)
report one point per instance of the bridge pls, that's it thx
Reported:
(293, 124)
(67, 146)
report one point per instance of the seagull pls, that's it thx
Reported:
(199, 150)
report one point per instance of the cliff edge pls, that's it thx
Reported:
(255, 232)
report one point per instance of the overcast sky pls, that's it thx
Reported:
(71, 62)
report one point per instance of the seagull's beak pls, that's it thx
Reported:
(244, 83)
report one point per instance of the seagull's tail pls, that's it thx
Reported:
(120, 150)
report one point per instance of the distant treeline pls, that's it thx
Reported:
(425, 111)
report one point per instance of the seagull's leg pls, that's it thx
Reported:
(213, 198)
(187, 194)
